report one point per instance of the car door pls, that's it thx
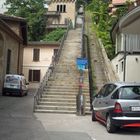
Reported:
(98, 101)
(105, 102)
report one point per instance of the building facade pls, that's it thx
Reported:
(60, 12)
(115, 4)
(126, 36)
(13, 38)
(37, 59)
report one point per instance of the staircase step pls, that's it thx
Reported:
(55, 111)
(62, 96)
(57, 103)
(58, 99)
(68, 88)
(60, 111)
(60, 90)
(56, 107)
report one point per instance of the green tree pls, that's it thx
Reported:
(33, 11)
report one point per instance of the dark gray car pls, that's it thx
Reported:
(117, 105)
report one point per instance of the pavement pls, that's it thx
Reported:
(67, 126)
(18, 122)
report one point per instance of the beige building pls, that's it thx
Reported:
(37, 59)
(13, 37)
(60, 12)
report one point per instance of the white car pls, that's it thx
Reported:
(15, 84)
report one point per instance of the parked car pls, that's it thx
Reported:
(15, 84)
(117, 105)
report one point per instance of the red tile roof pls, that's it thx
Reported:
(114, 2)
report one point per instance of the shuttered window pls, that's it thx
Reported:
(36, 54)
(34, 76)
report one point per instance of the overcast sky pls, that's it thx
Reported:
(2, 7)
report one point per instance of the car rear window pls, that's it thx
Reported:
(12, 79)
(130, 92)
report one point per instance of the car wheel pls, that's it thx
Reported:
(109, 126)
(93, 115)
(26, 93)
(21, 94)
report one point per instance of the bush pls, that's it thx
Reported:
(55, 35)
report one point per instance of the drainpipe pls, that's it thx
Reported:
(124, 73)
(18, 61)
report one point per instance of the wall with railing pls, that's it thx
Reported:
(109, 70)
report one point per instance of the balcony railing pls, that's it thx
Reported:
(52, 26)
(53, 13)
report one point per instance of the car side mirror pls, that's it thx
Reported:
(95, 96)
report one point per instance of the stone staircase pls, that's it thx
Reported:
(59, 95)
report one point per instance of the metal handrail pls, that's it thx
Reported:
(46, 77)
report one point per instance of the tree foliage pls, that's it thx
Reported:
(104, 22)
(55, 35)
(33, 11)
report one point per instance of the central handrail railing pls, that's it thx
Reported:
(50, 70)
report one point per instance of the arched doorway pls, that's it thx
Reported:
(1, 60)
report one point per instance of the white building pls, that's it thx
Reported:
(126, 36)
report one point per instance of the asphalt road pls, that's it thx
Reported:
(18, 122)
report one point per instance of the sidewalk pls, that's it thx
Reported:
(67, 126)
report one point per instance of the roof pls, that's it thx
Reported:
(43, 43)
(118, 2)
(22, 23)
(127, 19)
(5, 27)
(14, 18)
(119, 84)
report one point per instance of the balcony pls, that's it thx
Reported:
(53, 26)
(53, 13)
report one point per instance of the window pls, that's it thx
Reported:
(61, 8)
(64, 8)
(130, 92)
(8, 61)
(36, 54)
(34, 76)
(109, 89)
(102, 91)
(115, 95)
(58, 8)
(55, 51)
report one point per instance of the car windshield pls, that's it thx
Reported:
(130, 92)
(12, 79)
